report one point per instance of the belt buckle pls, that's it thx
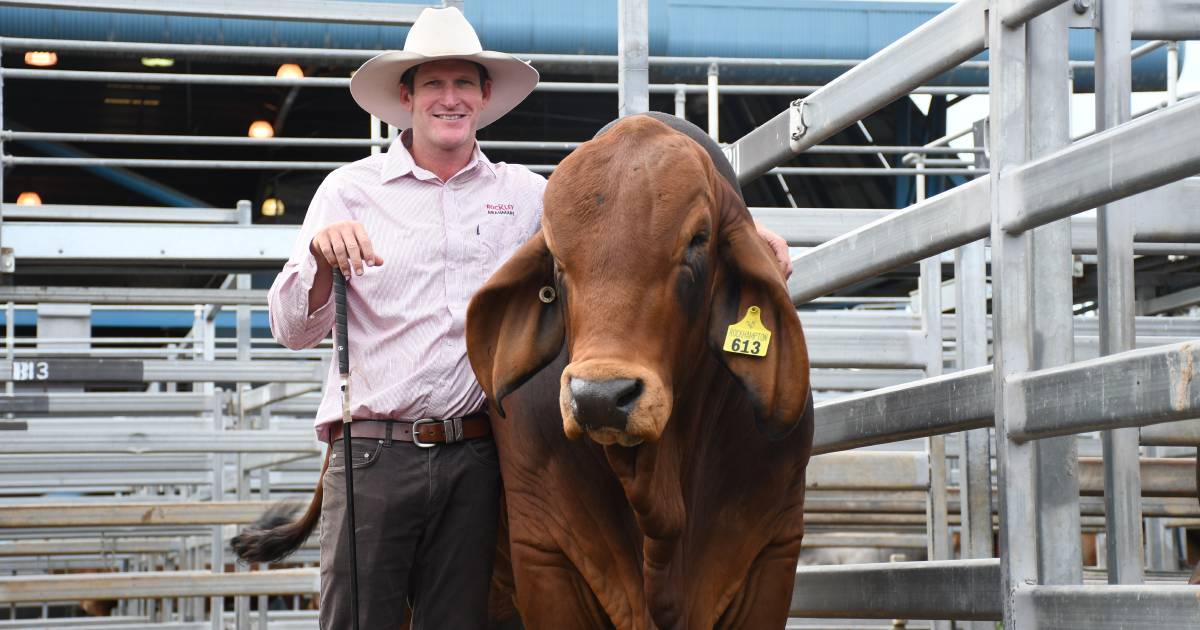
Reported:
(416, 430)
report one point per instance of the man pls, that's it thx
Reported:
(417, 230)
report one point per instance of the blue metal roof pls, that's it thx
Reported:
(783, 28)
(134, 318)
(813, 29)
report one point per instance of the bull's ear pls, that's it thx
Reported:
(747, 276)
(514, 322)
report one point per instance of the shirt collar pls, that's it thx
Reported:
(399, 161)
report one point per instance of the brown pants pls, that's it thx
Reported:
(425, 527)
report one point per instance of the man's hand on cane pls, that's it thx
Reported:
(344, 245)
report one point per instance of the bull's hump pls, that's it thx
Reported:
(640, 136)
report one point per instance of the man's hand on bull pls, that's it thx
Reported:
(779, 247)
(344, 245)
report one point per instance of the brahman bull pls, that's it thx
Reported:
(653, 466)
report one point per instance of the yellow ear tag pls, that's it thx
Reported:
(748, 336)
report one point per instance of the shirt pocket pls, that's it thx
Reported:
(495, 240)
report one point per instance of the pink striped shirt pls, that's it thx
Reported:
(439, 242)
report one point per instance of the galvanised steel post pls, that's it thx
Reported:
(1172, 73)
(1114, 238)
(375, 136)
(1011, 293)
(2, 257)
(1160, 544)
(1059, 556)
(633, 62)
(217, 552)
(931, 325)
(10, 313)
(974, 457)
(714, 101)
(241, 605)
(264, 494)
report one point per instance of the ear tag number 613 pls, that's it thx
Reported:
(748, 336)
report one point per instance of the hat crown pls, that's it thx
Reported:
(442, 32)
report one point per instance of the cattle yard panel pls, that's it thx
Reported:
(929, 407)
(1027, 66)
(305, 437)
(1057, 490)
(1154, 232)
(975, 459)
(680, 90)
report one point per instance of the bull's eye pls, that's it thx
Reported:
(695, 252)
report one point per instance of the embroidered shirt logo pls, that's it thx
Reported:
(500, 208)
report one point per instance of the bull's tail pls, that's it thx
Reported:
(1196, 573)
(275, 535)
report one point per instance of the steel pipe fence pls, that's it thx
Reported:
(837, 238)
(1022, 191)
(846, 359)
(12, 160)
(962, 590)
(59, 212)
(357, 56)
(1166, 221)
(1168, 479)
(931, 406)
(860, 473)
(970, 590)
(511, 145)
(132, 296)
(278, 619)
(680, 90)
(51, 588)
(954, 36)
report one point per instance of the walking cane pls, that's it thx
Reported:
(343, 355)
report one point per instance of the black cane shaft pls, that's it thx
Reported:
(350, 524)
(341, 342)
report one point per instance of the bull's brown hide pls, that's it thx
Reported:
(652, 255)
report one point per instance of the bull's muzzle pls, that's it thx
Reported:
(613, 402)
(604, 404)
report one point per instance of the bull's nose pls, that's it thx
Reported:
(604, 403)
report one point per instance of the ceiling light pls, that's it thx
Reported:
(29, 199)
(272, 207)
(261, 129)
(41, 58)
(289, 71)
(158, 62)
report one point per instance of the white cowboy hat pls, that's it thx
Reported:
(439, 34)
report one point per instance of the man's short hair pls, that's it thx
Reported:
(409, 77)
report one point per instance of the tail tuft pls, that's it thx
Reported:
(273, 537)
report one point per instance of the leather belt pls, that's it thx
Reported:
(424, 432)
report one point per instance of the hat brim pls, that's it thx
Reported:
(376, 85)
